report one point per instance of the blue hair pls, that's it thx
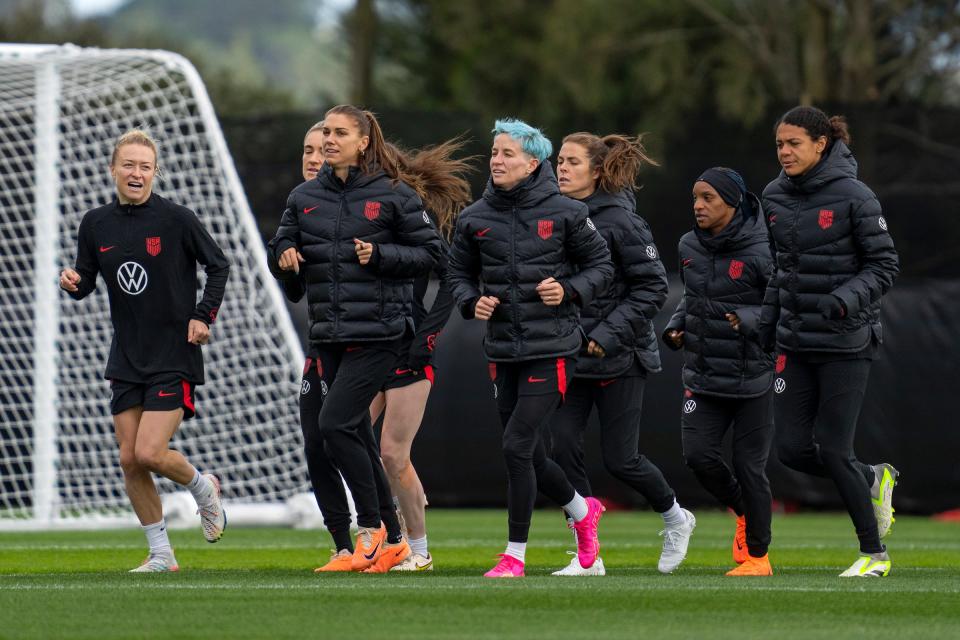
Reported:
(531, 139)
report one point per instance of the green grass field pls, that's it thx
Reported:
(258, 583)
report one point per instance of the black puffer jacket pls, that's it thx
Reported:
(621, 319)
(828, 237)
(507, 243)
(348, 301)
(722, 274)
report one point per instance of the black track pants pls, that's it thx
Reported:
(619, 402)
(745, 488)
(816, 409)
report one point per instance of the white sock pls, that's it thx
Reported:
(200, 487)
(157, 537)
(419, 545)
(516, 550)
(674, 516)
(577, 508)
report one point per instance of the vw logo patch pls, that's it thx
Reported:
(426, 218)
(305, 388)
(689, 406)
(132, 278)
(494, 390)
(883, 223)
(323, 388)
(590, 224)
(779, 385)
(651, 251)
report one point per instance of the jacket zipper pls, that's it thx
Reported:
(514, 302)
(336, 265)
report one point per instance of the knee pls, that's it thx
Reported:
(394, 459)
(128, 461)
(789, 455)
(148, 457)
(515, 452)
(699, 457)
(616, 463)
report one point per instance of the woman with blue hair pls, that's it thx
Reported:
(525, 259)
(725, 264)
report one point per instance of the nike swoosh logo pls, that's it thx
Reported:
(604, 383)
(400, 372)
(532, 379)
(309, 209)
(482, 232)
(166, 395)
(739, 546)
(105, 249)
(372, 553)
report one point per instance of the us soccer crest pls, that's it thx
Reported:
(826, 218)
(544, 228)
(153, 246)
(736, 269)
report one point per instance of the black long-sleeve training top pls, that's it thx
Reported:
(148, 255)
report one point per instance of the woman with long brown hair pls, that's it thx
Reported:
(621, 344)
(361, 236)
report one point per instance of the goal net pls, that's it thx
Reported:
(61, 109)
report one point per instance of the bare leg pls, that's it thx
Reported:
(403, 414)
(141, 490)
(153, 446)
(377, 406)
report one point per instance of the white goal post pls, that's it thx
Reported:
(61, 109)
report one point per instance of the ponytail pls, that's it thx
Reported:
(438, 178)
(816, 123)
(618, 158)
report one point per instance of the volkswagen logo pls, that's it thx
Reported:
(780, 385)
(132, 278)
(323, 388)
(689, 406)
(305, 388)
(651, 251)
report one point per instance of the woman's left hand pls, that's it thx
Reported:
(595, 350)
(364, 250)
(198, 332)
(734, 321)
(551, 292)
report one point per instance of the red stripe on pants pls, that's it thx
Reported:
(562, 377)
(187, 398)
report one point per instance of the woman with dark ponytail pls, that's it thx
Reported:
(835, 260)
(361, 236)
(622, 346)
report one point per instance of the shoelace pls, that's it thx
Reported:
(671, 539)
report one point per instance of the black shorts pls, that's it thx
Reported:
(532, 377)
(165, 392)
(401, 375)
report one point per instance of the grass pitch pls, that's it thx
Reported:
(258, 583)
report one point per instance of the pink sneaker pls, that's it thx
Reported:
(508, 567)
(588, 546)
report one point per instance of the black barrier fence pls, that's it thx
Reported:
(908, 416)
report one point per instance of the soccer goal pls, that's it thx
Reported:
(61, 108)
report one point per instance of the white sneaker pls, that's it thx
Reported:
(881, 495)
(574, 568)
(874, 565)
(675, 543)
(415, 562)
(158, 563)
(213, 519)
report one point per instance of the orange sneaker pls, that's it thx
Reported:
(368, 547)
(339, 561)
(753, 567)
(391, 556)
(740, 554)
